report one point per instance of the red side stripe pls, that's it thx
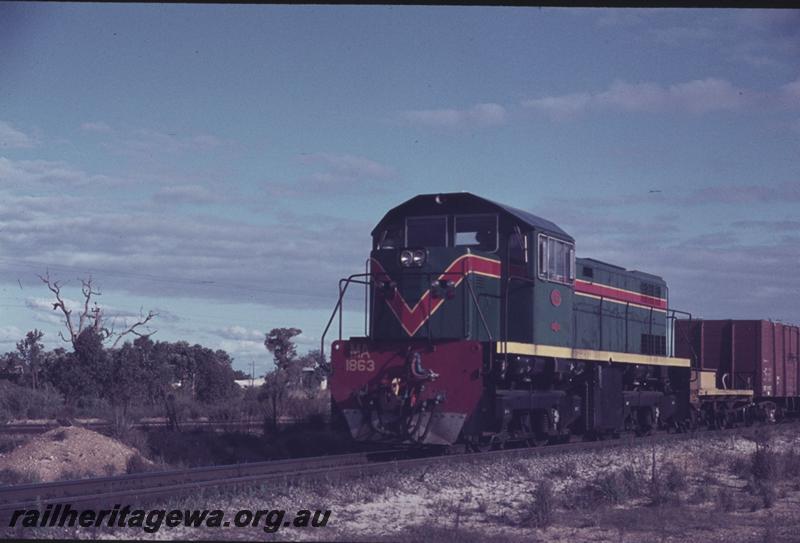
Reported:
(620, 295)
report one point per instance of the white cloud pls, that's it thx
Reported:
(186, 194)
(22, 173)
(241, 333)
(350, 166)
(243, 347)
(10, 334)
(146, 141)
(790, 93)
(99, 127)
(697, 96)
(151, 253)
(560, 107)
(337, 173)
(480, 114)
(10, 137)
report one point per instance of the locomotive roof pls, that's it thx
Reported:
(426, 203)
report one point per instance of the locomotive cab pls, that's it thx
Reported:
(456, 266)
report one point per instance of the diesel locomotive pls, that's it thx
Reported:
(483, 327)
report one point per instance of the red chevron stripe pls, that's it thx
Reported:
(412, 319)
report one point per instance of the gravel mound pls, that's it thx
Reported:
(67, 453)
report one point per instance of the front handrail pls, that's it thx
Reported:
(367, 279)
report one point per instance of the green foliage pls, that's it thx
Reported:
(279, 343)
(216, 382)
(84, 372)
(137, 464)
(14, 477)
(542, 508)
(613, 488)
(725, 500)
(204, 374)
(17, 402)
(765, 464)
(25, 365)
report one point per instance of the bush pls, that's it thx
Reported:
(765, 465)
(542, 508)
(135, 438)
(701, 494)
(725, 500)
(224, 412)
(665, 487)
(136, 464)
(613, 488)
(14, 477)
(791, 463)
(17, 402)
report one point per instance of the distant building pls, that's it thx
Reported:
(244, 383)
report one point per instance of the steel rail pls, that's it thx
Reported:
(109, 491)
(67, 489)
(39, 428)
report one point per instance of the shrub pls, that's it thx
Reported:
(674, 478)
(791, 463)
(8, 444)
(765, 464)
(15, 477)
(615, 487)
(137, 464)
(17, 402)
(725, 500)
(542, 508)
(701, 494)
(224, 412)
(138, 439)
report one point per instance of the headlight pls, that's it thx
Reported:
(405, 258)
(418, 258)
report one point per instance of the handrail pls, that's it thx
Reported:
(671, 316)
(344, 283)
(338, 308)
(504, 333)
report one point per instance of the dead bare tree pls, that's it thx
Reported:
(91, 316)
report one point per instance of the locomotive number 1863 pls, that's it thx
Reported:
(362, 363)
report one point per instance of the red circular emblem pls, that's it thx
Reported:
(555, 298)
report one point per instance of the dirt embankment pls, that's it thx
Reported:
(65, 453)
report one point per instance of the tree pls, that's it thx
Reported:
(240, 375)
(279, 343)
(274, 392)
(90, 317)
(82, 373)
(216, 382)
(30, 354)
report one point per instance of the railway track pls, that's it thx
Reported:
(40, 428)
(104, 492)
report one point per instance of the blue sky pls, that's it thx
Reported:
(223, 165)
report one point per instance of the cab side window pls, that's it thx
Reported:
(556, 260)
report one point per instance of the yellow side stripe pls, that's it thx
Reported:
(534, 349)
(724, 392)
